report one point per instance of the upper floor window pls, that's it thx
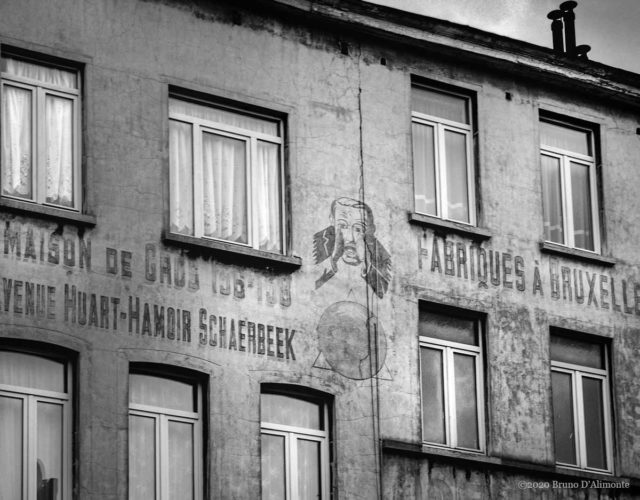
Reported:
(295, 446)
(569, 194)
(35, 427)
(165, 438)
(581, 404)
(441, 130)
(452, 380)
(41, 133)
(226, 175)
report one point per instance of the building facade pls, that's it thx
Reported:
(292, 249)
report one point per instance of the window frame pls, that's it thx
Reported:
(201, 126)
(30, 398)
(162, 416)
(292, 434)
(566, 157)
(440, 126)
(448, 349)
(39, 90)
(577, 373)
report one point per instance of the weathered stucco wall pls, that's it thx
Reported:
(348, 136)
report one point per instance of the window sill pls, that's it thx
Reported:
(555, 249)
(480, 461)
(441, 225)
(46, 212)
(234, 254)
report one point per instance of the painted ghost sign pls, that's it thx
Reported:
(350, 240)
(352, 342)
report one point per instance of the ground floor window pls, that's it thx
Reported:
(581, 403)
(35, 427)
(295, 446)
(165, 438)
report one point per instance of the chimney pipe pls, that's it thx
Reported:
(556, 30)
(569, 26)
(581, 52)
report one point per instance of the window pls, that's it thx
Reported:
(441, 131)
(452, 385)
(226, 175)
(35, 427)
(165, 438)
(295, 447)
(570, 201)
(41, 133)
(581, 404)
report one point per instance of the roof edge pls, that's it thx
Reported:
(467, 43)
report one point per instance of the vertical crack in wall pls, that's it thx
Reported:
(371, 303)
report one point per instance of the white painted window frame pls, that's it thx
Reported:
(440, 126)
(577, 373)
(162, 416)
(565, 157)
(30, 398)
(200, 126)
(39, 91)
(448, 350)
(291, 435)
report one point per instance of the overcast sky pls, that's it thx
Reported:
(611, 27)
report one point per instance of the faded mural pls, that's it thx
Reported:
(351, 340)
(350, 240)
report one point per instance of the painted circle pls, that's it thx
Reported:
(344, 338)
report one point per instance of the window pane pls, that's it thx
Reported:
(286, 410)
(440, 104)
(59, 150)
(451, 328)
(581, 194)
(273, 467)
(49, 459)
(225, 117)
(433, 415)
(225, 187)
(563, 137)
(267, 197)
(564, 435)
(552, 199)
(142, 458)
(181, 166)
(180, 458)
(457, 187)
(161, 392)
(424, 168)
(26, 370)
(577, 352)
(44, 74)
(16, 142)
(11, 447)
(309, 487)
(466, 401)
(594, 422)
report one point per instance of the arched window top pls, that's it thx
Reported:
(31, 371)
(291, 410)
(153, 390)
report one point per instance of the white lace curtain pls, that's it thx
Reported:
(181, 166)
(16, 142)
(59, 150)
(267, 197)
(21, 148)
